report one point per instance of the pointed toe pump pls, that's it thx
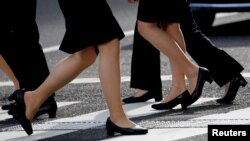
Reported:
(233, 89)
(49, 107)
(113, 128)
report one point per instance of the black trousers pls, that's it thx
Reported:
(145, 69)
(20, 43)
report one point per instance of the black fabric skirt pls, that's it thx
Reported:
(160, 10)
(88, 23)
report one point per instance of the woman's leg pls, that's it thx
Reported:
(109, 71)
(178, 85)
(170, 48)
(65, 71)
(7, 70)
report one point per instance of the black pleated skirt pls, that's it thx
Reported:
(88, 23)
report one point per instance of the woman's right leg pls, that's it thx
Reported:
(65, 71)
(178, 85)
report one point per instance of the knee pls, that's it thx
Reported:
(143, 27)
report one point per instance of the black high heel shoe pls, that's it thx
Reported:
(112, 129)
(19, 112)
(233, 89)
(181, 99)
(49, 107)
(148, 95)
(203, 76)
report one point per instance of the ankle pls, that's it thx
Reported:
(192, 72)
(192, 78)
(140, 93)
(30, 105)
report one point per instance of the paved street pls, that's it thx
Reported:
(82, 111)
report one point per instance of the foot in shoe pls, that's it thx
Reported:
(113, 128)
(233, 89)
(49, 108)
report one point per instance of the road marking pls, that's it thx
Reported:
(67, 125)
(222, 14)
(168, 134)
(172, 134)
(51, 49)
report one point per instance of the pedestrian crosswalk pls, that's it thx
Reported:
(172, 130)
(181, 131)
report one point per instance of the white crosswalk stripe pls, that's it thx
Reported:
(67, 125)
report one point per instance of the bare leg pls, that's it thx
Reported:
(7, 70)
(65, 71)
(109, 71)
(178, 85)
(140, 92)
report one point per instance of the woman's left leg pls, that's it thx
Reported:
(109, 71)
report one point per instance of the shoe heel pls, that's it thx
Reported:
(183, 106)
(109, 128)
(52, 114)
(209, 79)
(158, 99)
(243, 81)
(52, 110)
(110, 133)
(184, 103)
